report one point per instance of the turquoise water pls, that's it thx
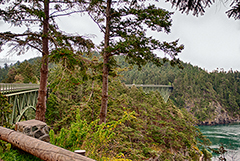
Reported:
(228, 135)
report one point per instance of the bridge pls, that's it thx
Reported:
(23, 97)
(164, 90)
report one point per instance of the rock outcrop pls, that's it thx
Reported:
(217, 116)
(34, 128)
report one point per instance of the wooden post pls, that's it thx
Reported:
(38, 148)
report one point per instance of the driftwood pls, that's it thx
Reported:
(38, 148)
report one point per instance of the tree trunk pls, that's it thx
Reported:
(106, 55)
(41, 104)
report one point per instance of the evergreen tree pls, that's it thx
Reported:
(124, 25)
(4, 72)
(47, 39)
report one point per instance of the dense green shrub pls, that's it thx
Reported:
(158, 128)
(5, 111)
(96, 139)
(16, 155)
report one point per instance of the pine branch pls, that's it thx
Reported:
(196, 6)
(234, 11)
(60, 10)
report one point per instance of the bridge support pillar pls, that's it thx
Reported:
(34, 128)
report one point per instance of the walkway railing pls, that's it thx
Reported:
(164, 90)
(146, 85)
(6, 88)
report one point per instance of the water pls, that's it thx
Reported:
(228, 135)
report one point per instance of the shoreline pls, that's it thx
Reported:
(213, 123)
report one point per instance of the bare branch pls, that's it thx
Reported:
(54, 41)
(66, 14)
(29, 20)
(60, 11)
(10, 35)
(96, 22)
(35, 47)
(64, 2)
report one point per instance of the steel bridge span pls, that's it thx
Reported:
(164, 90)
(23, 97)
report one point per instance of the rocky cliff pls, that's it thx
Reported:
(214, 113)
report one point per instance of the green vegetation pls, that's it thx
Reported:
(25, 72)
(206, 92)
(47, 39)
(4, 71)
(165, 129)
(5, 111)
(16, 155)
(94, 138)
(195, 91)
(139, 125)
(203, 94)
(6, 152)
(124, 32)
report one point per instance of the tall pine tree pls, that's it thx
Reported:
(124, 25)
(46, 39)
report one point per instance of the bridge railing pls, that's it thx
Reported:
(165, 90)
(15, 87)
(147, 85)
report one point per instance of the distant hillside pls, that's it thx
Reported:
(3, 72)
(213, 98)
(21, 72)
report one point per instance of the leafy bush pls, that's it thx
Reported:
(94, 138)
(16, 155)
(5, 111)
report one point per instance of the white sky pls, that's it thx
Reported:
(211, 41)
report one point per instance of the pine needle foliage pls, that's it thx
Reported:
(154, 128)
(5, 111)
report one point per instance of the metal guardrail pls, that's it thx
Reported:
(165, 90)
(6, 88)
(22, 96)
(144, 85)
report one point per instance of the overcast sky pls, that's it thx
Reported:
(211, 41)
